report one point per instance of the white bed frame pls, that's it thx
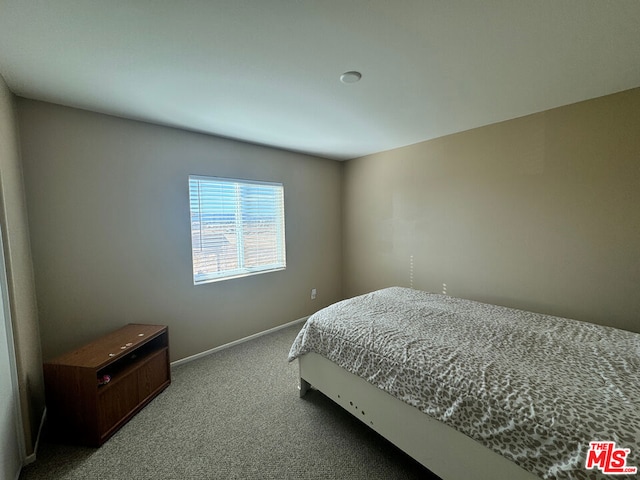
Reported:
(446, 452)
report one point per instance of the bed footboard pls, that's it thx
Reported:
(443, 450)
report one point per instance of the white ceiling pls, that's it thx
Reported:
(267, 71)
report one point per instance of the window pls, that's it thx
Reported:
(237, 228)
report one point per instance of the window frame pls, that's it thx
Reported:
(239, 215)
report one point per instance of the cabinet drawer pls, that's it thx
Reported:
(116, 401)
(153, 375)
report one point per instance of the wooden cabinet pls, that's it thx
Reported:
(82, 410)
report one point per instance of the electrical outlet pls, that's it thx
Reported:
(314, 293)
(444, 288)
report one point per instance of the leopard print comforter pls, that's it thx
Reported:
(531, 387)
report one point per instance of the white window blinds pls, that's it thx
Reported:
(237, 227)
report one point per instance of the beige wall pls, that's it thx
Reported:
(109, 220)
(540, 213)
(22, 302)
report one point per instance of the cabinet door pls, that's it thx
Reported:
(153, 375)
(116, 401)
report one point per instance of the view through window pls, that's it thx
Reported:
(237, 227)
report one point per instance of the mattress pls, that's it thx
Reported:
(534, 388)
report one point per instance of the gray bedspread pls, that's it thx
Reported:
(534, 388)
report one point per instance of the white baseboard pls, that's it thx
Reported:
(32, 458)
(235, 342)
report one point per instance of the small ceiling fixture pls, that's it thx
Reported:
(350, 77)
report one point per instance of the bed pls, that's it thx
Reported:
(473, 390)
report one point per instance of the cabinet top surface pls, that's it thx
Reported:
(110, 347)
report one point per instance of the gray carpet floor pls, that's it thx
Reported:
(235, 414)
